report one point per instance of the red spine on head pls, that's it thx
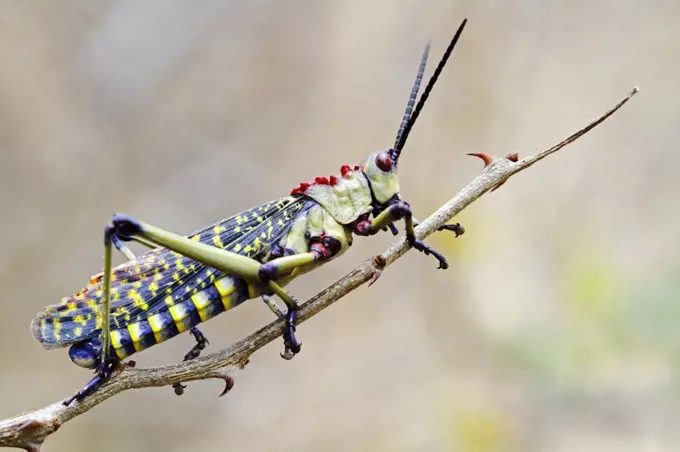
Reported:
(321, 180)
(333, 180)
(345, 170)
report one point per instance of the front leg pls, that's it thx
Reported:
(456, 228)
(395, 212)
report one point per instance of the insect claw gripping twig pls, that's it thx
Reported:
(290, 343)
(456, 228)
(201, 343)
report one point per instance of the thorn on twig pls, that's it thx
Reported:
(484, 156)
(488, 160)
(228, 384)
(379, 264)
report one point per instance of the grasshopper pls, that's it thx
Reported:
(186, 280)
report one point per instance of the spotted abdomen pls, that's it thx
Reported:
(174, 319)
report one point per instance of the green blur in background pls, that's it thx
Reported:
(555, 329)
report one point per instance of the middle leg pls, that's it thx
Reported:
(195, 352)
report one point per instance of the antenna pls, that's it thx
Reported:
(404, 130)
(414, 95)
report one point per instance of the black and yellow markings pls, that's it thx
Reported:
(162, 293)
(201, 302)
(225, 288)
(208, 303)
(142, 335)
(178, 316)
(136, 337)
(217, 241)
(56, 328)
(163, 326)
(185, 315)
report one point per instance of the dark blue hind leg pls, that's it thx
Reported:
(104, 372)
(201, 340)
(107, 361)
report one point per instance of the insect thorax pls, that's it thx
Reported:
(314, 224)
(345, 197)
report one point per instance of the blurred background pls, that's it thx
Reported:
(555, 329)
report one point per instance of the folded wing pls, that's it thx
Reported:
(160, 278)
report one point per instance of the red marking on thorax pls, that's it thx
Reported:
(345, 170)
(301, 189)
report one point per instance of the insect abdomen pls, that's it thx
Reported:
(179, 317)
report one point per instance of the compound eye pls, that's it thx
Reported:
(384, 161)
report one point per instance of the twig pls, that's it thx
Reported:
(29, 430)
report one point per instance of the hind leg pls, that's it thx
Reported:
(106, 363)
(103, 373)
(201, 341)
(321, 248)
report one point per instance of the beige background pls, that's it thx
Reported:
(556, 327)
